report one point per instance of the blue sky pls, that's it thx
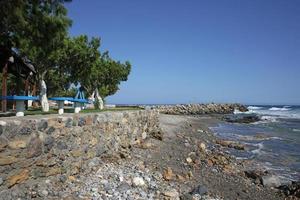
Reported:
(245, 51)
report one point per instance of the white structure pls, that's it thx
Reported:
(95, 97)
(43, 97)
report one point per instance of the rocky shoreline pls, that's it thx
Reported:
(187, 162)
(199, 109)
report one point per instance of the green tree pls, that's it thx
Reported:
(36, 29)
(83, 63)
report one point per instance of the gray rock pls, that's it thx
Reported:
(42, 125)
(124, 187)
(25, 131)
(1, 181)
(61, 145)
(50, 130)
(201, 190)
(186, 196)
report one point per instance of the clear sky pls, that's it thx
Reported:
(190, 51)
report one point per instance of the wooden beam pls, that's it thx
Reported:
(4, 87)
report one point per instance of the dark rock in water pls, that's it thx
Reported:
(201, 190)
(231, 144)
(256, 175)
(291, 190)
(241, 118)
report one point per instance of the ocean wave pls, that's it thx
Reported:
(279, 109)
(258, 151)
(296, 130)
(268, 118)
(254, 108)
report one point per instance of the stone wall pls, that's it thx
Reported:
(198, 109)
(42, 146)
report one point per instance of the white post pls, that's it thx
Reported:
(60, 107)
(43, 97)
(20, 107)
(77, 107)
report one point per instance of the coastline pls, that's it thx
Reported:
(187, 162)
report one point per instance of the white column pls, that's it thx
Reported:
(77, 107)
(20, 107)
(60, 107)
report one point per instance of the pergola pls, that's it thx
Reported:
(22, 68)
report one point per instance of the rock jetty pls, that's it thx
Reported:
(198, 109)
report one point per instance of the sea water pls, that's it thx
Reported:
(273, 142)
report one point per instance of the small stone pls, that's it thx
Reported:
(62, 178)
(47, 181)
(189, 160)
(34, 147)
(124, 187)
(45, 193)
(202, 147)
(17, 144)
(201, 190)
(168, 174)
(7, 160)
(3, 143)
(18, 178)
(138, 181)
(72, 178)
(144, 135)
(171, 193)
(1, 181)
(180, 178)
(53, 171)
(200, 131)
(190, 174)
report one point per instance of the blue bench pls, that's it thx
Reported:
(60, 101)
(20, 106)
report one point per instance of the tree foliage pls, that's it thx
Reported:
(83, 63)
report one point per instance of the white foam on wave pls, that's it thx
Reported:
(274, 113)
(279, 109)
(296, 130)
(254, 108)
(258, 151)
(236, 111)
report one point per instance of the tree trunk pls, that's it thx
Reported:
(43, 96)
(98, 100)
(4, 87)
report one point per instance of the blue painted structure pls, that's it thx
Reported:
(18, 98)
(69, 99)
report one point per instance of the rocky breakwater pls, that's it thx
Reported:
(197, 109)
(38, 147)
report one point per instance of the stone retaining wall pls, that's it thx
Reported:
(41, 146)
